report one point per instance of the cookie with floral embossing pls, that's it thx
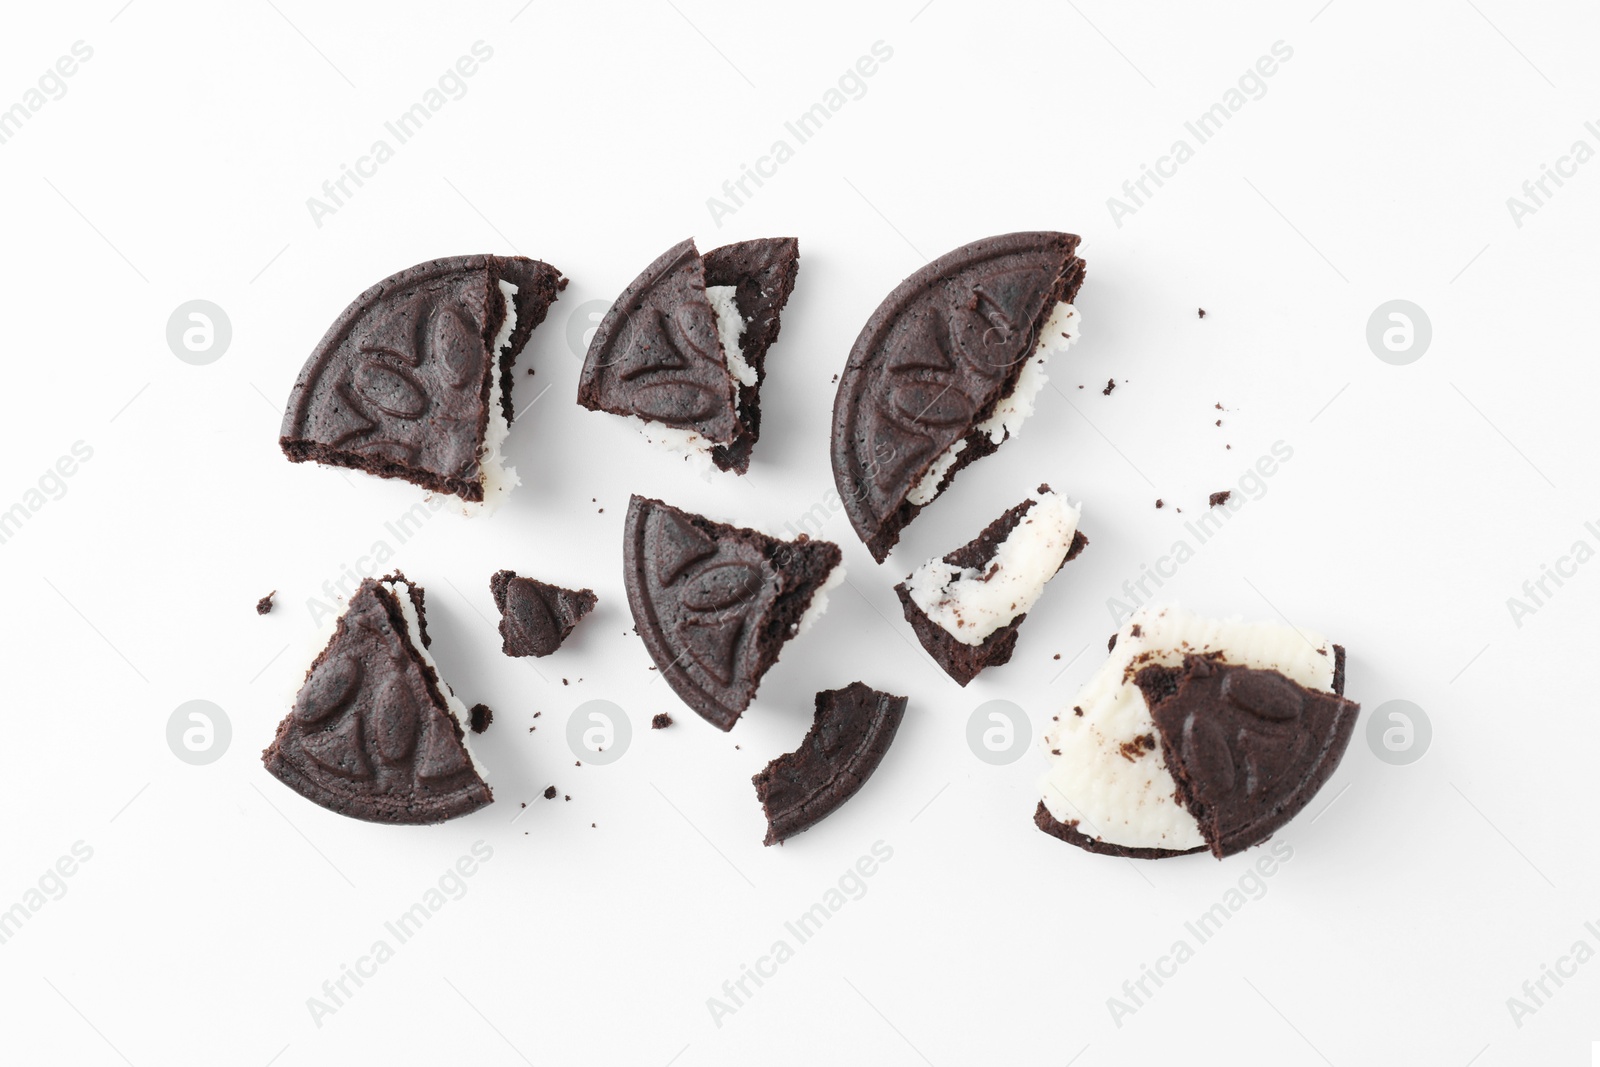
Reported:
(375, 733)
(946, 370)
(684, 348)
(715, 604)
(414, 379)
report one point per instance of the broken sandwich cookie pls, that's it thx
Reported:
(1195, 735)
(945, 370)
(375, 733)
(413, 380)
(966, 607)
(535, 616)
(684, 348)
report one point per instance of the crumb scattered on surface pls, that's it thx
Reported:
(1055, 752)
(264, 605)
(566, 796)
(1137, 631)
(550, 793)
(1132, 750)
(1056, 656)
(1077, 711)
(1218, 499)
(537, 714)
(1219, 407)
(1111, 383)
(1202, 312)
(577, 763)
(482, 716)
(660, 721)
(565, 682)
(1160, 503)
(530, 372)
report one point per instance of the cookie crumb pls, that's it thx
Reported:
(1218, 499)
(550, 793)
(660, 721)
(1111, 383)
(1160, 503)
(482, 716)
(264, 605)
(1202, 312)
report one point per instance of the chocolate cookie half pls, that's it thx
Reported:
(945, 370)
(535, 616)
(966, 607)
(375, 733)
(684, 348)
(1113, 785)
(1248, 748)
(850, 733)
(413, 380)
(715, 604)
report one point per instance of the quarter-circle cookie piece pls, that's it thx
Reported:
(414, 378)
(715, 604)
(375, 733)
(944, 372)
(850, 733)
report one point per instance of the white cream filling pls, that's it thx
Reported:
(970, 604)
(924, 491)
(730, 327)
(1129, 800)
(819, 600)
(497, 478)
(402, 593)
(691, 444)
(1060, 332)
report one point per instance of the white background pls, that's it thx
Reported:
(1419, 498)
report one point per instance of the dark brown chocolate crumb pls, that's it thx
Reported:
(1160, 503)
(566, 796)
(836, 378)
(1111, 383)
(602, 511)
(550, 793)
(530, 372)
(264, 605)
(1219, 406)
(565, 682)
(1202, 312)
(1056, 656)
(537, 714)
(1137, 631)
(660, 721)
(1219, 422)
(1218, 499)
(1132, 750)
(482, 716)
(524, 803)
(577, 763)
(591, 826)
(1077, 711)
(736, 748)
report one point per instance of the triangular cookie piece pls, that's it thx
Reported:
(684, 347)
(413, 380)
(966, 607)
(715, 604)
(375, 733)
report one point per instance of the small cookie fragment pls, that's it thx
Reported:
(850, 733)
(550, 792)
(482, 716)
(536, 617)
(966, 607)
(660, 721)
(264, 605)
(1218, 499)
